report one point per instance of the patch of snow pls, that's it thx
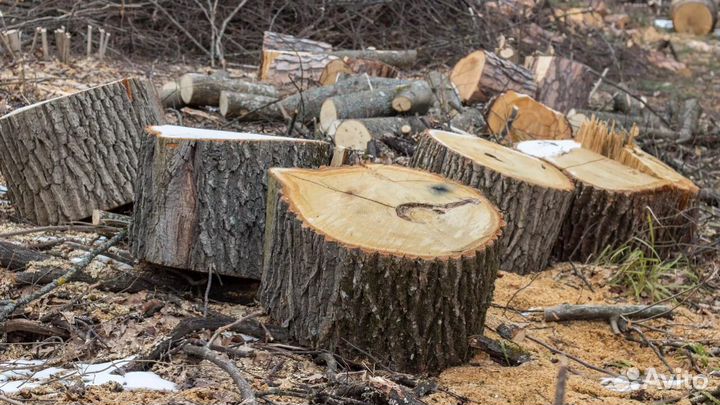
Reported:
(546, 149)
(178, 132)
(663, 24)
(621, 384)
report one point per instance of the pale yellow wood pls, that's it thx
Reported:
(467, 73)
(392, 209)
(506, 161)
(533, 120)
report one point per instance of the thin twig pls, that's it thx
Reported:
(246, 391)
(229, 326)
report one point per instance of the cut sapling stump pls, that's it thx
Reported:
(201, 196)
(519, 117)
(482, 75)
(612, 203)
(395, 132)
(340, 243)
(533, 195)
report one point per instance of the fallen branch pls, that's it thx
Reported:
(568, 312)
(246, 391)
(16, 257)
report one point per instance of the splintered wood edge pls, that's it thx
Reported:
(180, 133)
(466, 74)
(490, 235)
(508, 162)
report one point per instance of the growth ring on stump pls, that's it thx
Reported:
(696, 17)
(612, 202)
(201, 196)
(397, 262)
(533, 195)
(64, 157)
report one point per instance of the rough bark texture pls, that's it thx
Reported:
(200, 90)
(563, 84)
(248, 107)
(533, 213)
(696, 17)
(285, 42)
(399, 59)
(407, 313)
(496, 76)
(296, 69)
(67, 156)
(14, 257)
(200, 204)
(471, 120)
(371, 67)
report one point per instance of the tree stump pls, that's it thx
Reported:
(534, 196)
(482, 75)
(612, 202)
(396, 262)
(519, 117)
(63, 158)
(563, 84)
(201, 196)
(697, 17)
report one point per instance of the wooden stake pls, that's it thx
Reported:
(66, 48)
(89, 42)
(34, 41)
(43, 37)
(100, 43)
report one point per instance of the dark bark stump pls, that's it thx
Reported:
(67, 156)
(533, 196)
(395, 262)
(201, 196)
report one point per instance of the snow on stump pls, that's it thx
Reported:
(533, 195)
(64, 157)
(201, 196)
(395, 262)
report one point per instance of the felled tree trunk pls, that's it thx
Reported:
(395, 132)
(170, 95)
(201, 196)
(533, 195)
(297, 69)
(401, 59)
(481, 75)
(563, 84)
(335, 68)
(248, 106)
(415, 98)
(519, 117)
(696, 17)
(67, 156)
(201, 90)
(612, 202)
(395, 262)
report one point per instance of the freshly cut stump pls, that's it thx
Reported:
(395, 262)
(534, 196)
(201, 196)
(523, 118)
(64, 157)
(697, 17)
(612, 202)
(481, 75)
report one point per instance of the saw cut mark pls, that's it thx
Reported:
(421, 212)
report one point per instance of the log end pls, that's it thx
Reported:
(524, 118)
(694, 17)
(328, 114)
(466, 76)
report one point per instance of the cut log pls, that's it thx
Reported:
(199, 90)
(471, 121)
(446, 95)
(170, 95)
(482, 75)
(335, 68)
(395, 262)
(400, 59)
(395, 132)
(64, 157)
(100, 217)
(201, 196)
(14, 257)
(612, 202)
(364, 104)
(534, 196)
(566, 312)
(415, 98)
(523, 118)
(563, 84)
(291, 43)
(697, 17)
(297, 69)
(248, 107)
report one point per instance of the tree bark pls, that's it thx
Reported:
(533, 196)
(335, 68)
(249, 107)
(67, 156)
(296, 69)
(518, 117)
(350, 266)
(483, 75)
(15, 257)
(446, 95)
(563, 84)
(395, 132)
(201, 196)
(415, 98)
(471, 120)
(199, 90)
(400, 59)
(697, 17)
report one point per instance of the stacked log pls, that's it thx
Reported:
(380, 261)
(201, 196)
(533, 196)
(697, 17)
(481, 75)
(63, 158)
(362, 134)
(371, 67)
(200, 90)
(518, 117)
(563, 84)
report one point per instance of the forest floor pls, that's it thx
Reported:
(114, 326)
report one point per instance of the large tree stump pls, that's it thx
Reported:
(534, 196)
(563, 84)
(482, 74)
(63, 158)
(395, 262)
(519, 117)
(201, 196)
(697, 17)
(612, 203)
